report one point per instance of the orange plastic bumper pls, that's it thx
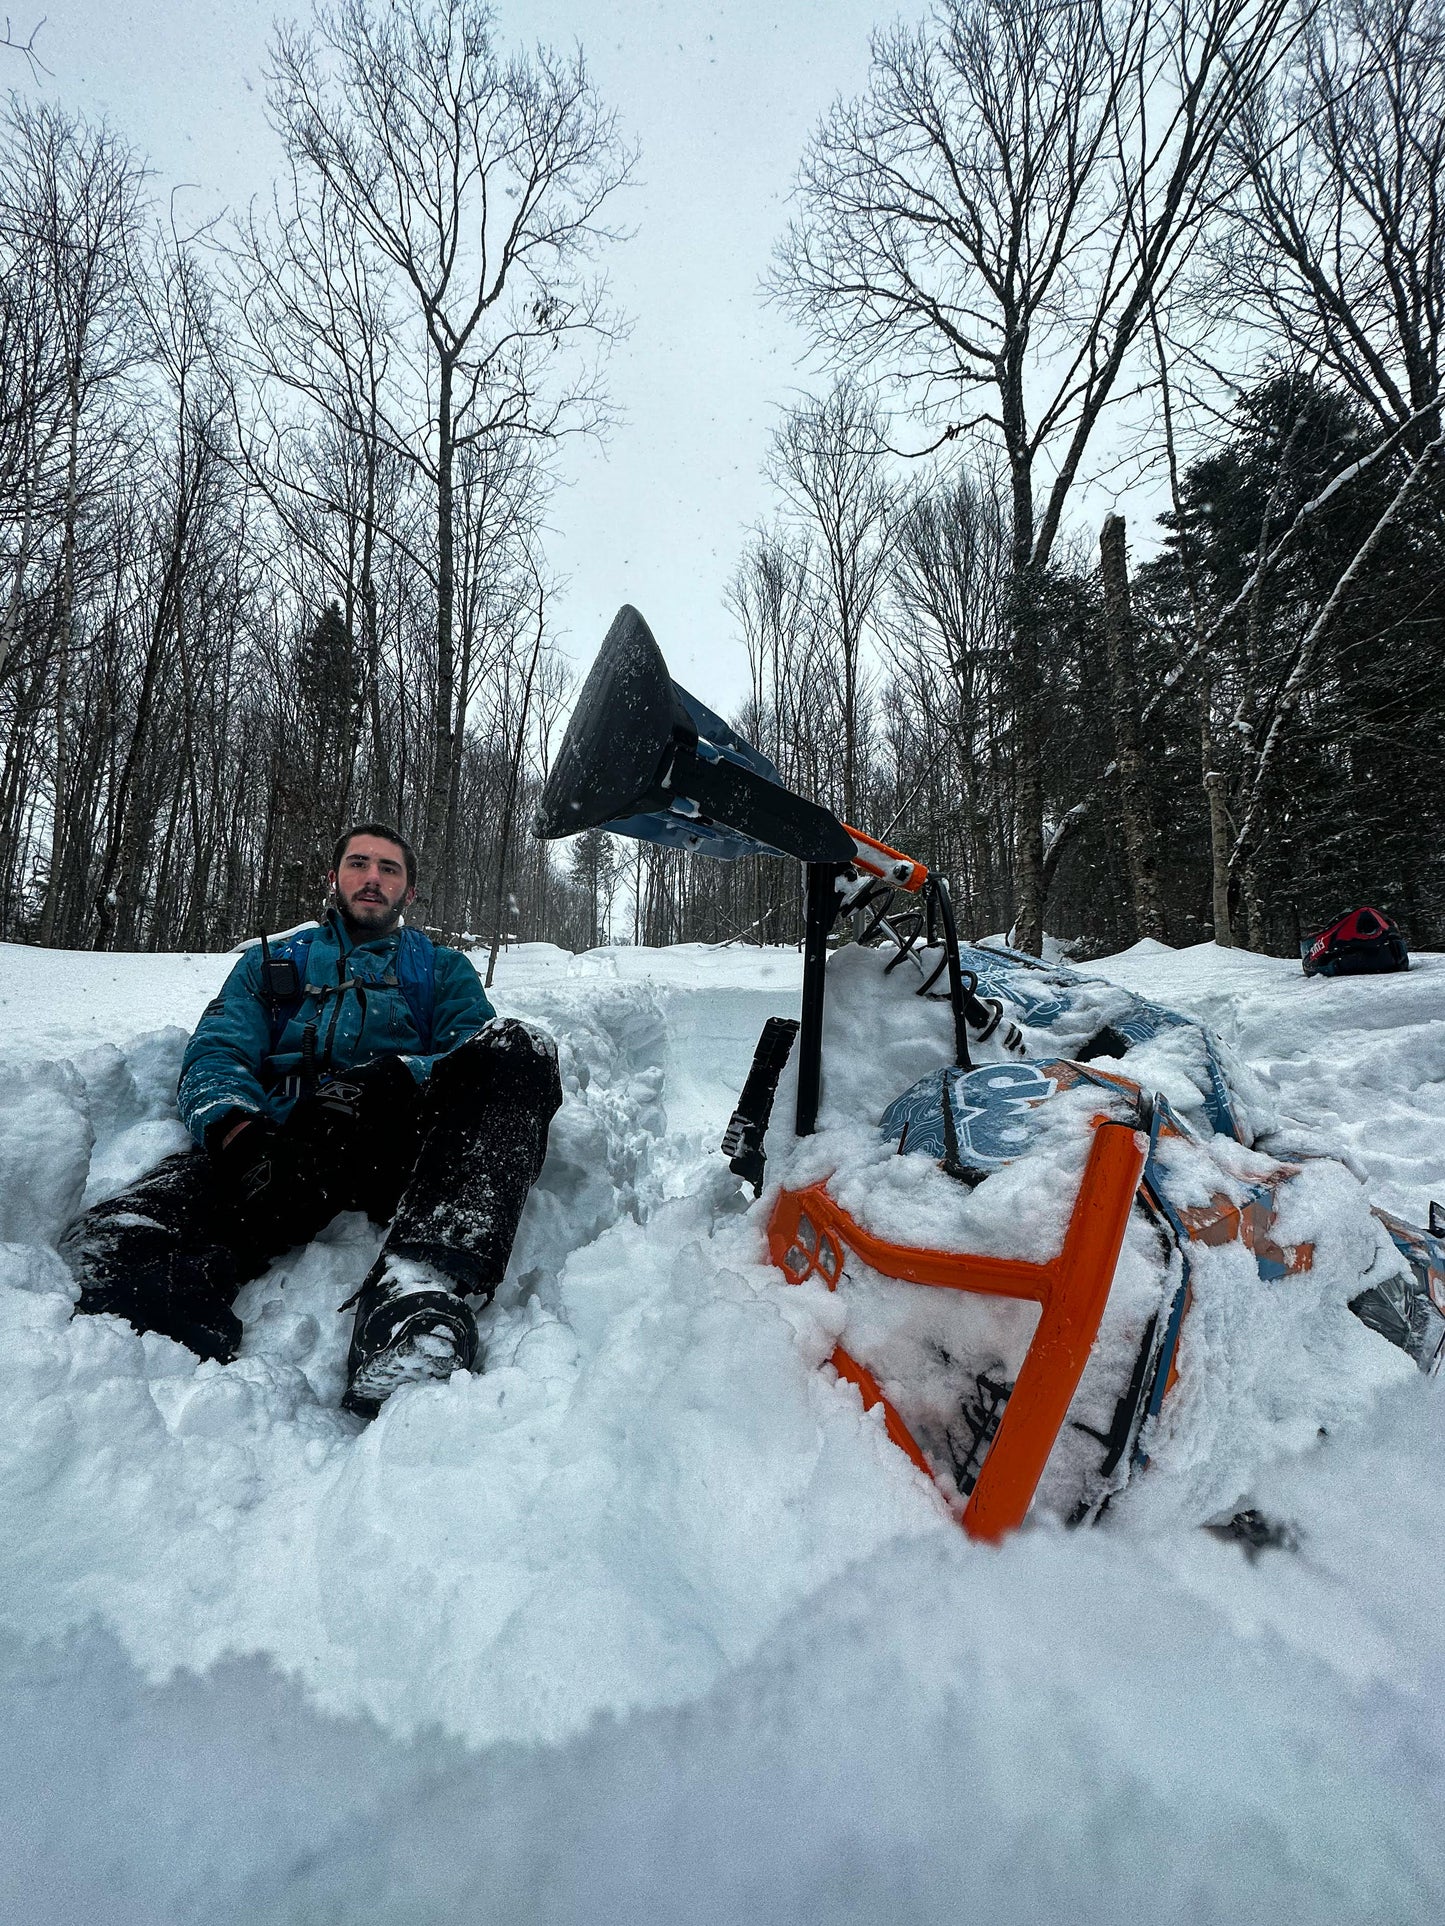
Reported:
(809, 1232)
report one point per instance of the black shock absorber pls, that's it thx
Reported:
(820, 912)
(957, 996)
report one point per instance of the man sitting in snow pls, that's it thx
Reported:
(355, 1065)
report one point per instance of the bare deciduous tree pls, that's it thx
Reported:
(827, 464)
(948, 615)
(70, 195)
(11, 41)
(1336, 245)
(174, 303)
(480, 180)
(988, 226)
(309, 369)
(32, 418)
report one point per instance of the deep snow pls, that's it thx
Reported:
(648, 1620)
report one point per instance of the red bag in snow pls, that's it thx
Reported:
(1364, 943)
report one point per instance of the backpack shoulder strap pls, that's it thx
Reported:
(416, 972)
(297, 949)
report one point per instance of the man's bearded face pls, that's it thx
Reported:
(370, 885)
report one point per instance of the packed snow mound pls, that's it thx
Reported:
(1131, 1727)
(1354, 1068)
(649, 1619)
(1149, 946)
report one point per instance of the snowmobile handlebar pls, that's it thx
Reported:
(888, 865)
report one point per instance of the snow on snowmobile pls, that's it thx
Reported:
(1018, 1233)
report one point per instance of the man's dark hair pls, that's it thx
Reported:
(388, 834)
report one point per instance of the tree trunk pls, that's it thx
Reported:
(15, 601)
(850, 725)
(1028, 864)
(1141, 841)
(121, 863)
(510, 804)
(1215, 786)
(65, 619)
(1249, 889)
(1028, 930)
(370, 645)
(434, 839)
(446, 882)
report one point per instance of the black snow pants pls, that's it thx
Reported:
(448, 1165)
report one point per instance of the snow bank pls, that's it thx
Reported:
(939, 1732)
(649, 1620)
(597, 1522)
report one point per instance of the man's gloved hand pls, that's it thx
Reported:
(365, 1093)
(242, 1146)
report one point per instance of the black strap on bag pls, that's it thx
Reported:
(282, 992)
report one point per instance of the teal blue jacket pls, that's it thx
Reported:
(353, 1010)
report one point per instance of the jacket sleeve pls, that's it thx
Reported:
(221, 1069)
(461, 1008)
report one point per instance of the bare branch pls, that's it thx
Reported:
(26, 47)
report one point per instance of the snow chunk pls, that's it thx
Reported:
(45, 1141)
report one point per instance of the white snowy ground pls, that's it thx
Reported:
(648, 1621)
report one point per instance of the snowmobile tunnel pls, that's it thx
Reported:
(810, 1231)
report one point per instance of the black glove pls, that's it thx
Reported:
(365, 1094)
(242, 1146)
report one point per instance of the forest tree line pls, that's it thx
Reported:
(271, 498)
(271, 494)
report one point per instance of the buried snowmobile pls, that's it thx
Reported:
(1019, 1234)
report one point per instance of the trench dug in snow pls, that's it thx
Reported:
(646, 1478)
(654, 1510)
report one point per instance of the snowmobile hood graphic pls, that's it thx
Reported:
(999, 1418)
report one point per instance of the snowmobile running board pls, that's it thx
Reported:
(809, 1232)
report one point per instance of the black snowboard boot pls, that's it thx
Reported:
(411, 1328)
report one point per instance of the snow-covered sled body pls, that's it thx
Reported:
(1408, 1307)
(1188, 1182)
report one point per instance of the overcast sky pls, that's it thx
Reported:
(720, 100)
